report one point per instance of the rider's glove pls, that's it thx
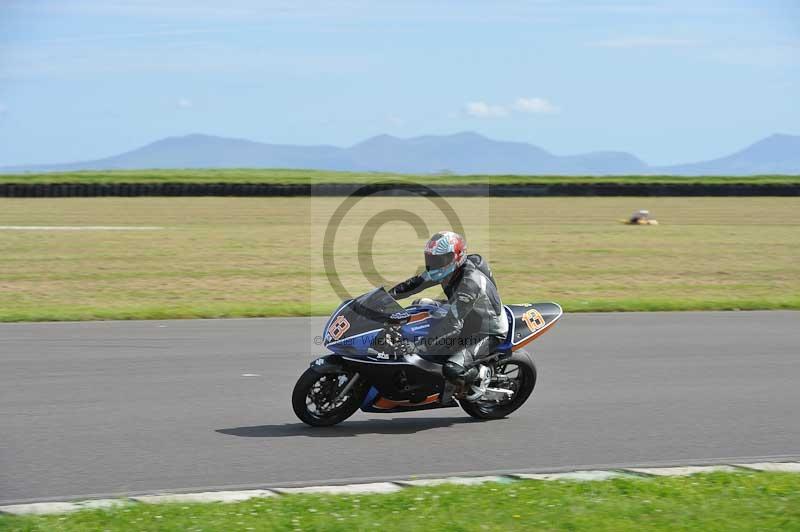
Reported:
(408, 348)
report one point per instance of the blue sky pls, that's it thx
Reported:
(670, 81)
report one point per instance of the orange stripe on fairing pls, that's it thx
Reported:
(419, 316)
(385, 404)
(534, 336)
(430, 399)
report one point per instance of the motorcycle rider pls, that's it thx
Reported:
(475, 323)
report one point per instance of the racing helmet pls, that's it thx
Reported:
(444, 252)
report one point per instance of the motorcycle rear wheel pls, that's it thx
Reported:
(525, 381)
(313, 398)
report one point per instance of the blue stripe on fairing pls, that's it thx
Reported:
(370, 398)
(509, 341)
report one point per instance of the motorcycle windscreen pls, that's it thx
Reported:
(529, 321)
(350, 323)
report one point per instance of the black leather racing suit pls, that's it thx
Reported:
(475, 323)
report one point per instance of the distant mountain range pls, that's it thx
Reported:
(461, 153)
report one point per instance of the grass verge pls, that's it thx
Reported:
(718, 501)
(288, 176)
(244, 257)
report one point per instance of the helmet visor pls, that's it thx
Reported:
(435, 262)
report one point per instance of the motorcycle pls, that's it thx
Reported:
(371, 368)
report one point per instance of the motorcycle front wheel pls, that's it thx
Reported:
(517, 373)
(316, 400)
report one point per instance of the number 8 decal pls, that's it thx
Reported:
(533, 319)
(338, 327)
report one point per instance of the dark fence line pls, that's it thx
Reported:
(75, 190)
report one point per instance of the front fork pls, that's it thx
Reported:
(349, 386)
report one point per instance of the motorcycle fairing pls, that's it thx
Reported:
(328, 364)
(412, 378)
(421, 319)
(375, 402)
(365, 317)
(528, 322)
(353, 326)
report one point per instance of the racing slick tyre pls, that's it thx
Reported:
(517, 373)
(316, 400)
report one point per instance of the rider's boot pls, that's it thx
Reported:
(457, 374)
(460, 370)
(447, 393)
(457, 381)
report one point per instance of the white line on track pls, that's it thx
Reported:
(573, 475)
(786, 467)
(206, 496)
(679, 471)
(79, 228)
(347, 489)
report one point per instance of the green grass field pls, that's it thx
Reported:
(225, 257)
(719, 501)
(278, 176)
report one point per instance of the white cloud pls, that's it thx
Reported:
(396, 120)
(485, 110)
(184, 103)
(643, 42)
(535, 105)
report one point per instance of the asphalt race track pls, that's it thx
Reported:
(130, 407)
